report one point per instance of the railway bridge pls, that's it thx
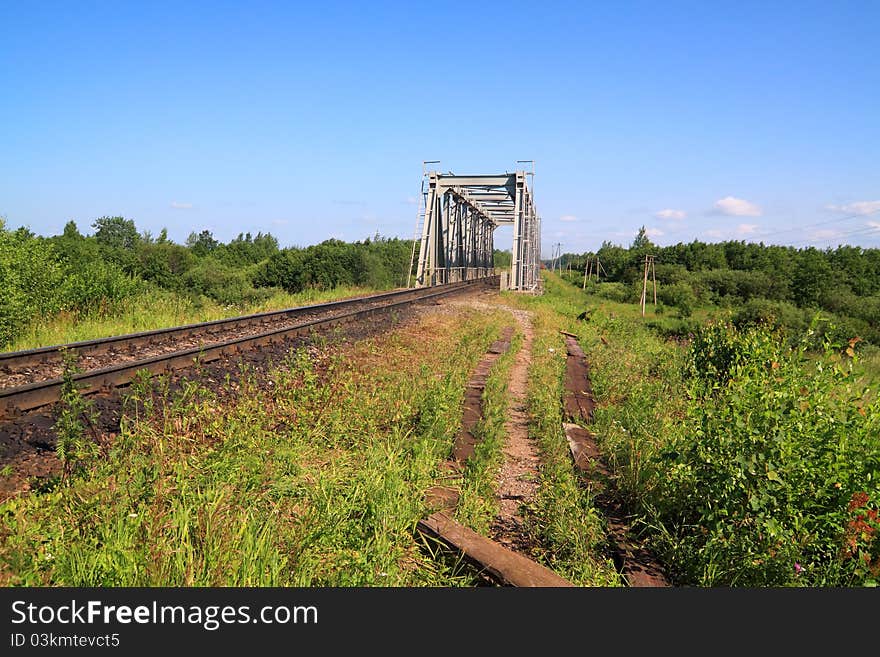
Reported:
(459, 215)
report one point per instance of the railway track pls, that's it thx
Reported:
(113, 362)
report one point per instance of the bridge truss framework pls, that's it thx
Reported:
(459, 217)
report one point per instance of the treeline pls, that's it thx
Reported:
(85, 274)
(776, 285)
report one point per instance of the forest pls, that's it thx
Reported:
(92, 275)
(836, 291)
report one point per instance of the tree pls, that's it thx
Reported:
(71, 231)
(116, 232)
(202, 244)
(812, 278)
(641, 241)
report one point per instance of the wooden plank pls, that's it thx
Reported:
(442, 497)
(504, 565)
(584, 450)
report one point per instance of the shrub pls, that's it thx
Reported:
(612, 291)
(772, 478)
(222, 283)
(680, 296)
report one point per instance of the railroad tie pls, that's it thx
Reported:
(635, 563)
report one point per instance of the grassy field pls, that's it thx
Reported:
(750, 461)
(155, 310)
(317, 479)
(746, 462)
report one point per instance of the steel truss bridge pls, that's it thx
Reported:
(459, 215)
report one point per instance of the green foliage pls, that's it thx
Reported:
(116, 233)
(165, 264)
(245, 249)
(779, 284)
(641, 242)
(39, 278)
(503, 259)
(751, 457)
(614, 291)
(29, 278)
(774, 449)
(202, 244)
(75, 446)
(678, 295)
(774, 314)
(378, 263)
(221, 282)
(311, 473)
(88, 277)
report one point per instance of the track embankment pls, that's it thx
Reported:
(27, 433)
(638, 566)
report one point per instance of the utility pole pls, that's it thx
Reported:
(557, 255)
(654, 277)
(587, 265)
(649, 263)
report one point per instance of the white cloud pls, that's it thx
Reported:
(874, 224)
(746, 229)
(568, 217)
(279, 222)
(653, 232)
(715, 233)
(861, 208)
(737, 207)
(177, 205)
(670, 214)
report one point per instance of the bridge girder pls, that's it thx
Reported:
(461, 214)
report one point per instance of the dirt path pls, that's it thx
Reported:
(518, 477)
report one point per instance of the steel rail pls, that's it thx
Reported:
(43, 355)
(34, 395)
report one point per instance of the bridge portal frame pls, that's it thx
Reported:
(461, 214)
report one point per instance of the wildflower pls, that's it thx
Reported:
(797, 568)
(858, 500)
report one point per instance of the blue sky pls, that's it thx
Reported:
(699, 120)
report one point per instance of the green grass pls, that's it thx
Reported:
(478, 503)
(316, 480)
(765, 476)
(154, 310)
(563, 519)
(736, 474)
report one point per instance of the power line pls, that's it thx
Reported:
(865, 230)
(818, 223)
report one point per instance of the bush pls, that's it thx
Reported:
(95, 286)
(224, 284)
(680, 296)
(773, 314)
(30, 280)
(612, 291)
(771, 479)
